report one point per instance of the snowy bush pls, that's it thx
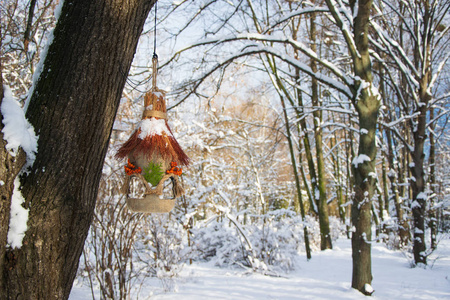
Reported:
(219, 241)
(337, 228)
(276, 243)
(161, 245)
(272, 243)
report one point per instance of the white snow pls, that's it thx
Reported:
(422, 196)
(157, 94)
(368, 288)
(153, 126)
(19, 218)
(326, 276)
(316, 194)
(39, 68)
(360, 159)
(17, 131)
(415, 204)
(417, 230)
(58, 9)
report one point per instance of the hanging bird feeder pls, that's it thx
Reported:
(154, 158)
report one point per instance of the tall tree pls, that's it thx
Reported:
(320, 189)
(366, 101)
(72, 108)
(419, 61)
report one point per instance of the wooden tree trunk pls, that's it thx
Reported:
(338, 179)
(418, 182)
(419, 197)
(10, 166)
(433, 185)
(364, 191)
(297, 180)
(72, 110)
(367, 103)
(320, 187)
(367, 107)
(403, 230)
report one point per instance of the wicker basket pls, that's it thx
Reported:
(150, 204)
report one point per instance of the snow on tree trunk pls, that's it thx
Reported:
(10, 166)
(367, 102)
(72, 110)
(419, 196)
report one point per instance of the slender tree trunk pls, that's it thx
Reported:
(338, 178)
(422, 62)
(309, 158)
(297, 181)
(384, 208)
(320, 191)
(72, 109)
(403, 225)
(384, 203)
(350, 155)
(433, 185)
(419, 198)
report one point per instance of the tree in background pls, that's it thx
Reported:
(418, 49)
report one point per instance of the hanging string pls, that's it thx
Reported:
(134, 85)
(155, 56)
(154, 34)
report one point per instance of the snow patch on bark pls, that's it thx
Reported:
(19, 218)
(422, 196)
(360, 160)
(17, 131)
(368, 289)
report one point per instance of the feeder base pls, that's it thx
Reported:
(150, 204)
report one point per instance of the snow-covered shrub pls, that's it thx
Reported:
(161, 246)
(276, 243)
(271, 243)
(313, 232)
(337, 228)
(219, 241)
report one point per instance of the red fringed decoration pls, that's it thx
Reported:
(153, 136)
(164, 145)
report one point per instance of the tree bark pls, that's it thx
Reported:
(367, 104)
(297, 180)
(433, 186)
(403, 225)
(10, 166)
(367, 107)
(419, 198)
(72, 110)
(418, 184)
(320, 187)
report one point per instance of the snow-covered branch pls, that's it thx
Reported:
(336, 10)
(254, 49)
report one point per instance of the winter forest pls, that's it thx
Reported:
(317, 134)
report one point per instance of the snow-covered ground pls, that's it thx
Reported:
(326, 276)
